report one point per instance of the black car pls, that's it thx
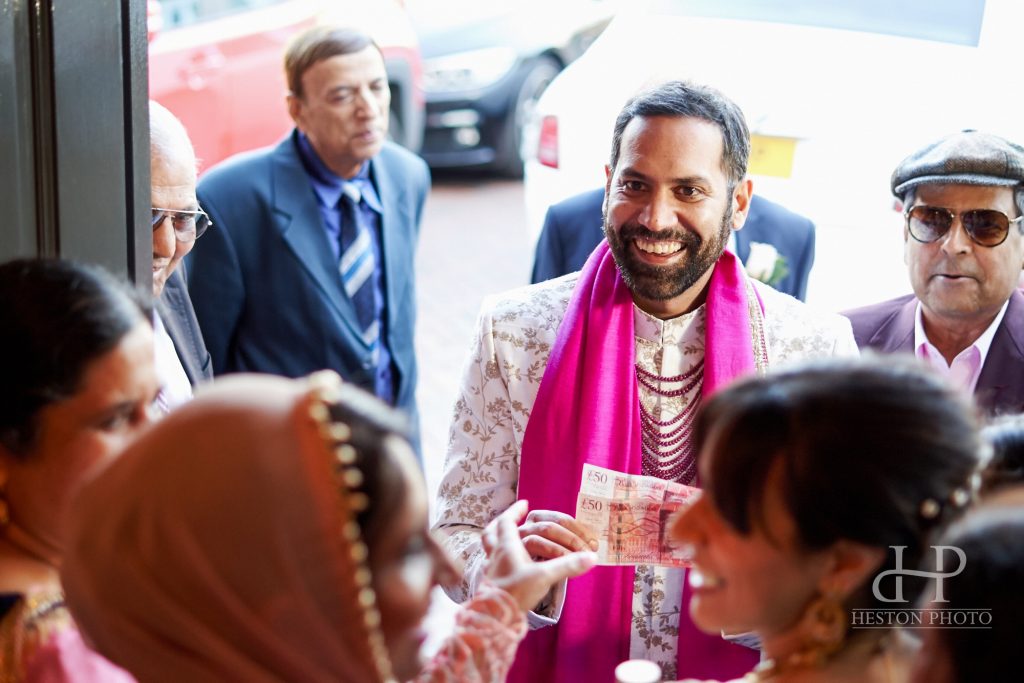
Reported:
(485, 64)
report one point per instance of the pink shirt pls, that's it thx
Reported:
(965, 369)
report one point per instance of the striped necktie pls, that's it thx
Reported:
(358, 266)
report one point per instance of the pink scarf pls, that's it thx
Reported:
(587, 410)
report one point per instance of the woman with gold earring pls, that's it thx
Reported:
(821, 484)
(78, 373)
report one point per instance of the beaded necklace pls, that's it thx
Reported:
(666, 451)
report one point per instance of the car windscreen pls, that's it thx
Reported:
(949, 22)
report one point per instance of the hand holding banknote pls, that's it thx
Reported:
(631, 516)
(510, 567)
(548, 534)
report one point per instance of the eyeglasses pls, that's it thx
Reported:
(188, 225)
(987, 227)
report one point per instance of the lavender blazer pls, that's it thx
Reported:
(888, 327)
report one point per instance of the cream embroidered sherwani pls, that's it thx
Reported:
(516, 332)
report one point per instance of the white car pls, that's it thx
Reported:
(835, 94)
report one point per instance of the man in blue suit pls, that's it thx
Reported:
(310, 265)
(573, 228)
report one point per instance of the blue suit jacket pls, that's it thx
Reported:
(888, 327)
(265, 284)
(573, 228)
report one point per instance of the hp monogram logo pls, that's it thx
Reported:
(940, 574)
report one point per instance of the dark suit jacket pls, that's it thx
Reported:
(175, 309)
(888, 327)
(573, 228)
(266, 286)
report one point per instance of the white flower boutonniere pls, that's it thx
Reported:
(766, 264)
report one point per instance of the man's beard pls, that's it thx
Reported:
(661, 283)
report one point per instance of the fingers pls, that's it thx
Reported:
(517, 510)
(568, 566)
(489, 539)
(545, 534)
(548, 516)
(531, 582)
(502, 529)
(557, 539)
(507, 520)
(573, 537)
(542, 549)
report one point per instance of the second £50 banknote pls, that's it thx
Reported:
(631, 515)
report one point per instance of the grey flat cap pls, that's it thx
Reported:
(969, 157)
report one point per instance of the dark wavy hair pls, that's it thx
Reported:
(57, 317)
(862, 444)
(678, 99)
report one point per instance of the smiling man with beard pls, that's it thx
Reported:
(672, 231)
(608, 366)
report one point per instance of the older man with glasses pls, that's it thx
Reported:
(181, 356)
(963, 199)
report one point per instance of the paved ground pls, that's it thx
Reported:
(473, 243)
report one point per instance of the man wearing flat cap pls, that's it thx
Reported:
(963, 199)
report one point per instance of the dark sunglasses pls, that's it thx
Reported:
(987, 227)
(188, 225)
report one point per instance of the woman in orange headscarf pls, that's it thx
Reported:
(276, 530)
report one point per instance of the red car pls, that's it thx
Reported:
(217, 64)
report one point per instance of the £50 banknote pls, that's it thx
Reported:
(631, 515)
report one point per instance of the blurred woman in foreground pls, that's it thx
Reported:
(276, 530)
(816, 481)
(76, 348)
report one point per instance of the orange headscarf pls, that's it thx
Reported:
(212, 550)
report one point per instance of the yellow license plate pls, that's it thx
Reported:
(771, 156)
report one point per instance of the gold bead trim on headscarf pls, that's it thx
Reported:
(324, 390)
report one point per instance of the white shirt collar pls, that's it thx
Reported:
(647, 326)
(175, 389)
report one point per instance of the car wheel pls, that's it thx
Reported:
(510, 156)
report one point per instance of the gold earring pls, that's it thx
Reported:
(825, 621)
